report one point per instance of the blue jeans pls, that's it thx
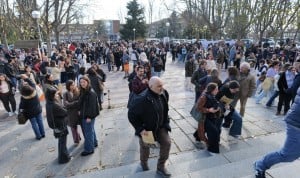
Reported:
(13, 81)
(236, 127)
(38, 126)
(158, 74)
(270, 101)
(109, 66)
(263, 94)
(90, 139)
(288, 153)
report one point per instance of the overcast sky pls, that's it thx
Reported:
(116, 9)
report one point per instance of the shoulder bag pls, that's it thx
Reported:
(21, 118)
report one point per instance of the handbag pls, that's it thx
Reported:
(267, 84)
(197, 115)
(21, 118)
(59, 132)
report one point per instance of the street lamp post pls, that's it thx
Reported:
(168, 24)
(134, 34)
(36, 15)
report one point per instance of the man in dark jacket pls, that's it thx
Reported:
(150, 113)
(190, 68)
(226, 96)
(198, 74)
(293, 89)
(11, 71)
(290, 150)
(139, 83)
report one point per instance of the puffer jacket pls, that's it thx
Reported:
(292, 117)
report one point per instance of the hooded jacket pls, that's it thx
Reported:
(30, 104)
(293, 114)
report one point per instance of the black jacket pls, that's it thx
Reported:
(9, 70)
(150, 113)
(30, 105)
(57, 114)
(225, 92)
(88, 103)
(293, 90)
(282, 83)
(95, 82)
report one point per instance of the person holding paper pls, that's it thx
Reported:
(149, 115)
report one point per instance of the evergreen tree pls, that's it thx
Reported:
(135, 20)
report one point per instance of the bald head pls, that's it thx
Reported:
(156, 85)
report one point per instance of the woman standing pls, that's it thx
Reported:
(209, 106)
(31, 107)
(89, 110)
(7, 95)
(56, 115)
(31, 74)
(96, 84)
(70, 99)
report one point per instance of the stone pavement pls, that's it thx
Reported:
(22, 156)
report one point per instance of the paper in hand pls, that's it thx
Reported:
(226, 100)
(148, 139)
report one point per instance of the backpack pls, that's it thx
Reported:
(133, 98)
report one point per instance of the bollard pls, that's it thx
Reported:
(108, 98)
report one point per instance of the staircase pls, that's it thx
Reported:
(230, 163)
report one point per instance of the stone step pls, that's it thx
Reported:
(193, 161)
(284, 170)
(229, 170)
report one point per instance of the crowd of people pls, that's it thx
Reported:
(74, 90)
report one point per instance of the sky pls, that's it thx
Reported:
(116, 9)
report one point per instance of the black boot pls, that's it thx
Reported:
(196, 136)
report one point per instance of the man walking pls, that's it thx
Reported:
(150, 113)
(290, 150)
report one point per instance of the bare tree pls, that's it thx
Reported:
(242, 16)
(266, 11)
(287, 13)
(212, 13)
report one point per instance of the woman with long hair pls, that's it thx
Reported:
(70, 101)
(209, 106)
(7, 95)
(56, 115)
(89, 110)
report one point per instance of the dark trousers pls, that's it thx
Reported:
(75, 134)
(284, 99)
(164, 140)
(237, 63)
(7, 99)
(63, 154)
(213, 131)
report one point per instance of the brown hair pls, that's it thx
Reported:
(211, 87)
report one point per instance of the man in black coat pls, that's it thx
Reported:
(293, 89)
(150, 113)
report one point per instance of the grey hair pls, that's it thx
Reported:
(245, 64)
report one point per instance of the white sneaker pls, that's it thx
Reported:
(16, 112)
(10, 114)
(212, 154)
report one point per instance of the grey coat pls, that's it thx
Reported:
(71, 104)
